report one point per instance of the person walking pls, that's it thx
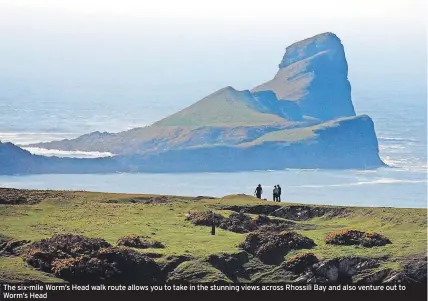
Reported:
(275, 193)
(278, 197)
(259, 191)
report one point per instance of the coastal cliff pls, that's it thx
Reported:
(303, 118)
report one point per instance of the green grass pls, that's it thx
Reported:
(13, 269)
(225, 107)
(303, 134)
(89, 214)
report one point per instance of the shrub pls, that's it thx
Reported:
(354, 237)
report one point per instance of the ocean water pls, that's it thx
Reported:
(41, 113)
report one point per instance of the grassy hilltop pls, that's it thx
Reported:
(190, 252)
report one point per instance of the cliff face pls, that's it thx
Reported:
(303, 118)
(314, 74)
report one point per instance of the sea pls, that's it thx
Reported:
(36, 111)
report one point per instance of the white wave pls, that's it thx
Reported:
(25, 138)
(366, 171)
(66, 154)
(374, 182)
(405, 164)
(394, 146)
(397, 139)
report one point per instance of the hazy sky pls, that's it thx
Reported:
(135, 44)
(232, 8)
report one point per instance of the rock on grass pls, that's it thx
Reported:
(272, 247)
(354, 237)
(134, 241)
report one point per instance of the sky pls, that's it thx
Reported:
(231, 8)
(202, 45)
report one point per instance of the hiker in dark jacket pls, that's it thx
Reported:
(279, 193)
(259, 191)
(275, 193)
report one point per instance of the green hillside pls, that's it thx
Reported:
(40, 215)
(225, 107)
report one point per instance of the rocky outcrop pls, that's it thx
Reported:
(229, 264)
(79, 259)
(302, 213)
(414, 272)
(339, 270)
(314, 74)
(272, 247)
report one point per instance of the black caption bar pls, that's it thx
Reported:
(138, 292)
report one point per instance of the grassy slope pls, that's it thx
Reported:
(89, 214)
(225, 107)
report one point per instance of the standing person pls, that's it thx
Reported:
(279, 193)
(275, 193)
(259, 191)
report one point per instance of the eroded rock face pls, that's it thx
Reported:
(314, 74)
(256, 209)
(414, 271)
(339, 270)
(301, 213)
(229, 264)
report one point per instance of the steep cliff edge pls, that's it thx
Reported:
(314, 74)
